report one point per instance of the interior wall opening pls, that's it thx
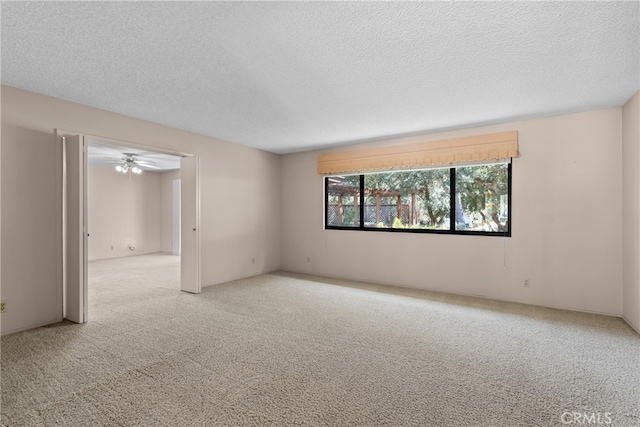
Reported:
(133, 223)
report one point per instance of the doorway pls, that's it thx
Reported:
(175, 216)
(120, 201)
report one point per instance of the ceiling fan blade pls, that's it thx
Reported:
(106, 160)
(102, 156)
(145, 162)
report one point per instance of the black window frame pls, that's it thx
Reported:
(452, 223)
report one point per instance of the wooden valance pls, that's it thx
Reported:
(490, 147)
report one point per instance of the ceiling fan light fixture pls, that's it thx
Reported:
(121, 169)
(136, 169)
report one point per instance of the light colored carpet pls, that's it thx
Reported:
(284, 349)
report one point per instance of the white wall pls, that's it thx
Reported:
(247, 180)
(166, 210)
(631, 210)
(565, 233)
(122, 210)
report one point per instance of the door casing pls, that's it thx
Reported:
(77, 290)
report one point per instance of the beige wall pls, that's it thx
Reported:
(566, 237)
(166, 210)
(567, 199)
(631, 210)
(240, 196)
(29, 237)
(122, 210)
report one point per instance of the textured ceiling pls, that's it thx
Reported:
(293, 76)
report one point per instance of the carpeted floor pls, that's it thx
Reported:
(284, 349)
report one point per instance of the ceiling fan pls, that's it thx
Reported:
(130, 162)
(105, 155)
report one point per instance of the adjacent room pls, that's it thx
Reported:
(133, 217)
(320, 214)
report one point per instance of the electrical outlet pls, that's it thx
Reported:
(527, 283)
(309, 259)
(253, 260)
(3, 306)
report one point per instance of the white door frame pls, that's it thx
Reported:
(190, 279)
(74, 226)
(176, 219)
(63, 243)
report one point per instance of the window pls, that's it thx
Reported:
(460, 200)
(482, 198)
(417, 199)
(343, 199)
